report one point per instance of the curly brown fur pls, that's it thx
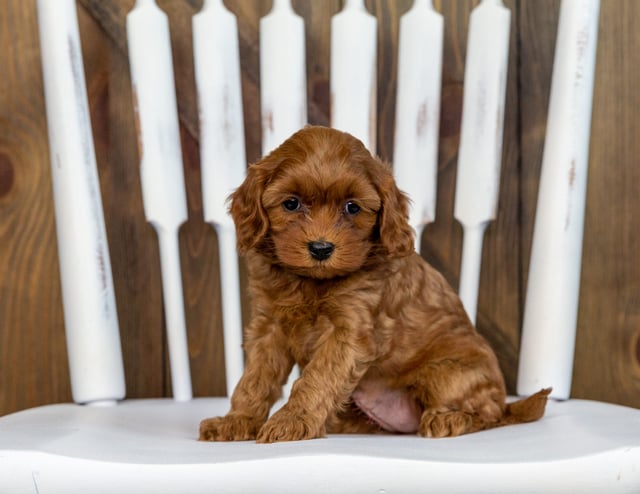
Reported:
(383, 342)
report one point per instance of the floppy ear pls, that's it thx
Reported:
(396, 235)
(246, 208)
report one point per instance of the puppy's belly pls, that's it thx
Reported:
(392, 409)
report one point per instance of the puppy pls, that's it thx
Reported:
(382, 341)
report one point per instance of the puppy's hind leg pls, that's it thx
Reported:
(443, 421)
(458, 400)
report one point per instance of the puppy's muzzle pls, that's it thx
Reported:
(320, 250)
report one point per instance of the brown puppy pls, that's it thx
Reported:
(336, 287)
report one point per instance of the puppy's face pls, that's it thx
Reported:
(322, 215)
(319, 205)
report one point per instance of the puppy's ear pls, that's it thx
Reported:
(396, 235)
(246, 209)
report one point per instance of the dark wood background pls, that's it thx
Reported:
(33, 366)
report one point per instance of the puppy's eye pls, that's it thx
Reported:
(351, 208)
(291, 204)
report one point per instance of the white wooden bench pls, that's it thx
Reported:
(103, 444)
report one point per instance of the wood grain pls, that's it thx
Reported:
(607, 361)
(33, 367)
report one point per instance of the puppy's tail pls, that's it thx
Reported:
(528, 409)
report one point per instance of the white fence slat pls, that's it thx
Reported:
(91, 319)
(415, 158)
(551, 308)
(283, 81)
(480, 154)
(283, 84)
(222, 155)
(353, 72)
(161, 170)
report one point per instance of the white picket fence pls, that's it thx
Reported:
(90, 306)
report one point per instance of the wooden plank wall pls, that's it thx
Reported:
(33, 368)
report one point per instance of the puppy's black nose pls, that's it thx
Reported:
(320, 250)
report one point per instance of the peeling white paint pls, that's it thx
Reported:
(551, 308)
(91, 321)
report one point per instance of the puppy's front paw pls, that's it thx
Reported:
(232, 427)
(287, 426)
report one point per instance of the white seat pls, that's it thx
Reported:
(151, 445)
